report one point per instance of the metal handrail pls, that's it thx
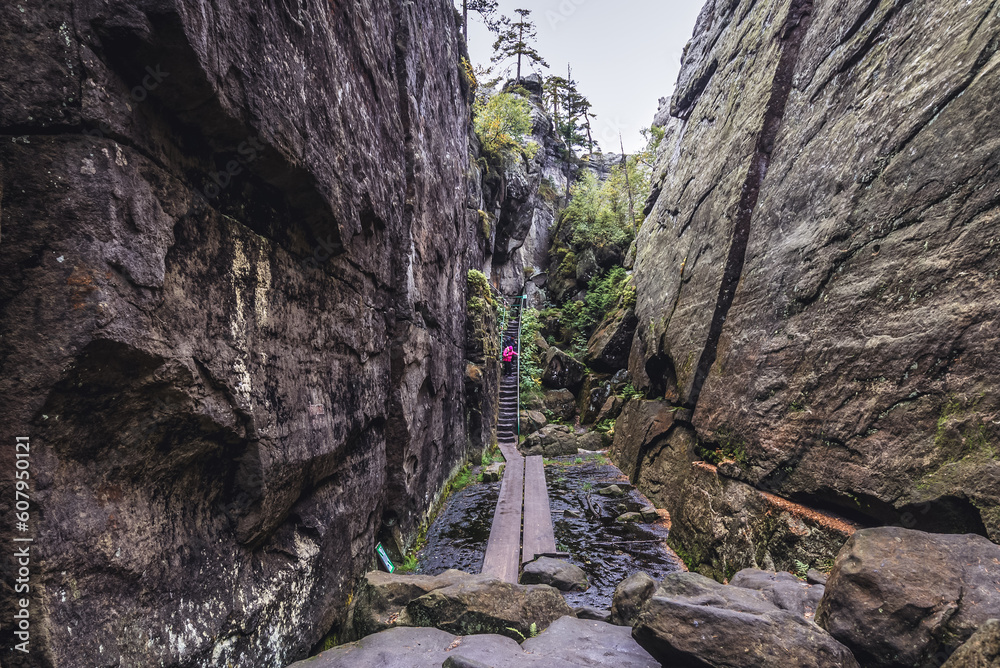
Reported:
(520, 323)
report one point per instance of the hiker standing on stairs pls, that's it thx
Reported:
(508, 359)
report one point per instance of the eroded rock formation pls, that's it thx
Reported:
(235, 239)
(817, 277)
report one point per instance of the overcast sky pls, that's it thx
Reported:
(625, 54)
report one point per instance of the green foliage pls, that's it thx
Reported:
(801, 569)
(729, 447)
(530, 357)
(469, 72)
(486, 222)
(605, 426)
(479, 286)
(503, 125)
(409, 564)
(604, 293)
(514, 42)
(591, 216)
(629, 392)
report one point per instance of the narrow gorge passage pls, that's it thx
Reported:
(260, 263)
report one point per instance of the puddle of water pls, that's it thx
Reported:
(458, 536)
(596, 543)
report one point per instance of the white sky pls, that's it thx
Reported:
(625, 54)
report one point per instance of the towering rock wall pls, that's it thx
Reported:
(234, 245)
(817, 279)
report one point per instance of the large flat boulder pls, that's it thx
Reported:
(382, 597)
(432, 648)
(585, 642)
(489, 606)
(692, 620)
(899, 597)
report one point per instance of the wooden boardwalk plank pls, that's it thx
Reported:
(503, 548)
(539, 537)
(508, 447)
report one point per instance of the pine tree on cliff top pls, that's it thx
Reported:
(516, 40)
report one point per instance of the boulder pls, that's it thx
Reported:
(611, 491)
(815, 577)
(532, 421)
(899, 597)
(649, 513)
(982, 650)
(596, 391)
(592, 613)
(782, 589)
(629, 597)
(694, 620)
(540, 343)
(585, 642)
(628, 518)
(562, 371)
(611, 409)
(382, 597)
(488, 606)
(586, 267)
(558, 573)
(554, 440)
(432, 648)
(591, 441)
(493, 472)
(561, 403)
(609, 347)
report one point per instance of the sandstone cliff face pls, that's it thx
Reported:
(817, 279)
(234, 249)
(523, 201)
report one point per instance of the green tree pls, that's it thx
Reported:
(503, 125)
(515, 41)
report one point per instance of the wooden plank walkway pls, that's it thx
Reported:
(503, 548)
(539, 537)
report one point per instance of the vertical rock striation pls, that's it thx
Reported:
(235, 239)
(817, 278)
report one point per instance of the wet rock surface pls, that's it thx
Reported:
(458, 536)
(899, 598)
(607, 552)
(694, 620)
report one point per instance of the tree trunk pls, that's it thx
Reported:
(465, 19)
(520, 49)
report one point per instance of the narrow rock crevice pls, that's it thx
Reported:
(793, 34)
